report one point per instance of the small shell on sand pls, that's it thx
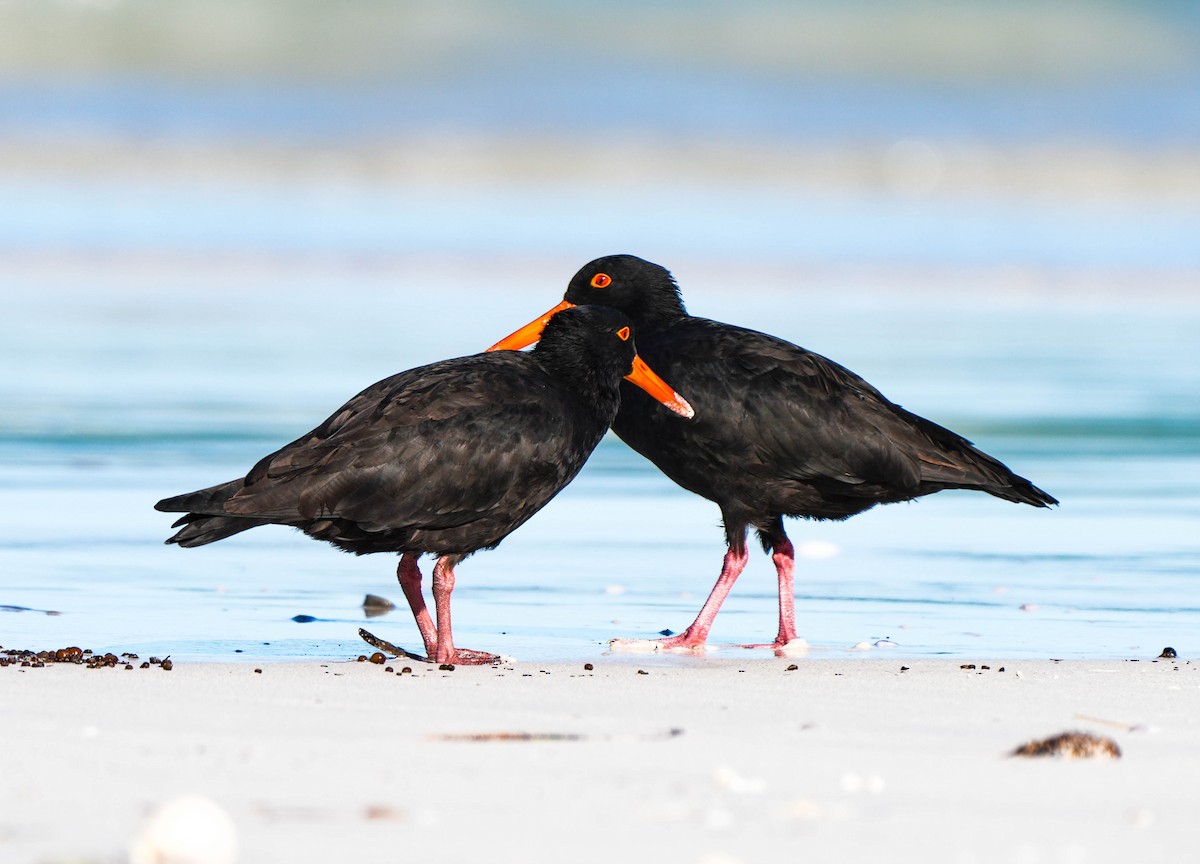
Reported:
(188, 830)
(727, 778)
(1072, 745)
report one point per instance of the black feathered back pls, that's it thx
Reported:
(778, 429)
(448, 458)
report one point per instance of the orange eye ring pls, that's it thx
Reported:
(623, 334)
(601, 280)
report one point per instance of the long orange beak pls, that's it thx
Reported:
(530, 333)
(642, 375)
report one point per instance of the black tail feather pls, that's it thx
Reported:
(205, 520)
(210, 501)
(956, 463)
(1021, 491)
(199, 529)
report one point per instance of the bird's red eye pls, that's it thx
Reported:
(601, 280)
(623, 334)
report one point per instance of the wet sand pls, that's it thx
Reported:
(721, 759)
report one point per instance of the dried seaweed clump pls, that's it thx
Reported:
(1072, 745)
(79, 656)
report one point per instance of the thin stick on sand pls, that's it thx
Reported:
(388, 648)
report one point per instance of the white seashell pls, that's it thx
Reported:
(188, 830)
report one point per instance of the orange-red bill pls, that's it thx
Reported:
(530, 333)
(644, 377)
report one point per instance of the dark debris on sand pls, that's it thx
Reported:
(1071, 745)
(30, 659)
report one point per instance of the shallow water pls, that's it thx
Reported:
(125, 387)
(207, 245)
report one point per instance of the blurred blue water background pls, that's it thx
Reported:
(219, 220)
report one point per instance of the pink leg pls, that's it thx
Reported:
(410, 583)
(694, 637)
(784, 556)
(443, 585)
(785, 565)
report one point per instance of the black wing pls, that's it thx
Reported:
(434, 447)
(769, 412)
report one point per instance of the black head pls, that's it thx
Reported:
(592, 348)
(589, 338)
(642, 290)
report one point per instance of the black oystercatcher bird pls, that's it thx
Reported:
(447, 459)
(779, 431)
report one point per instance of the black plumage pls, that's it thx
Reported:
(445, 459)
(779, 431)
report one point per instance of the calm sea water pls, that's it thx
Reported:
(126, 383)
(205, 250)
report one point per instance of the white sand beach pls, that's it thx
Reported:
(728, 758)
(221, 219)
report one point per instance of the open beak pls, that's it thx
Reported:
(642, 375)
(530, 333)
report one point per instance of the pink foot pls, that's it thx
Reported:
(693, 639)
(468, 657)
(790, 648)
(679, 643)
